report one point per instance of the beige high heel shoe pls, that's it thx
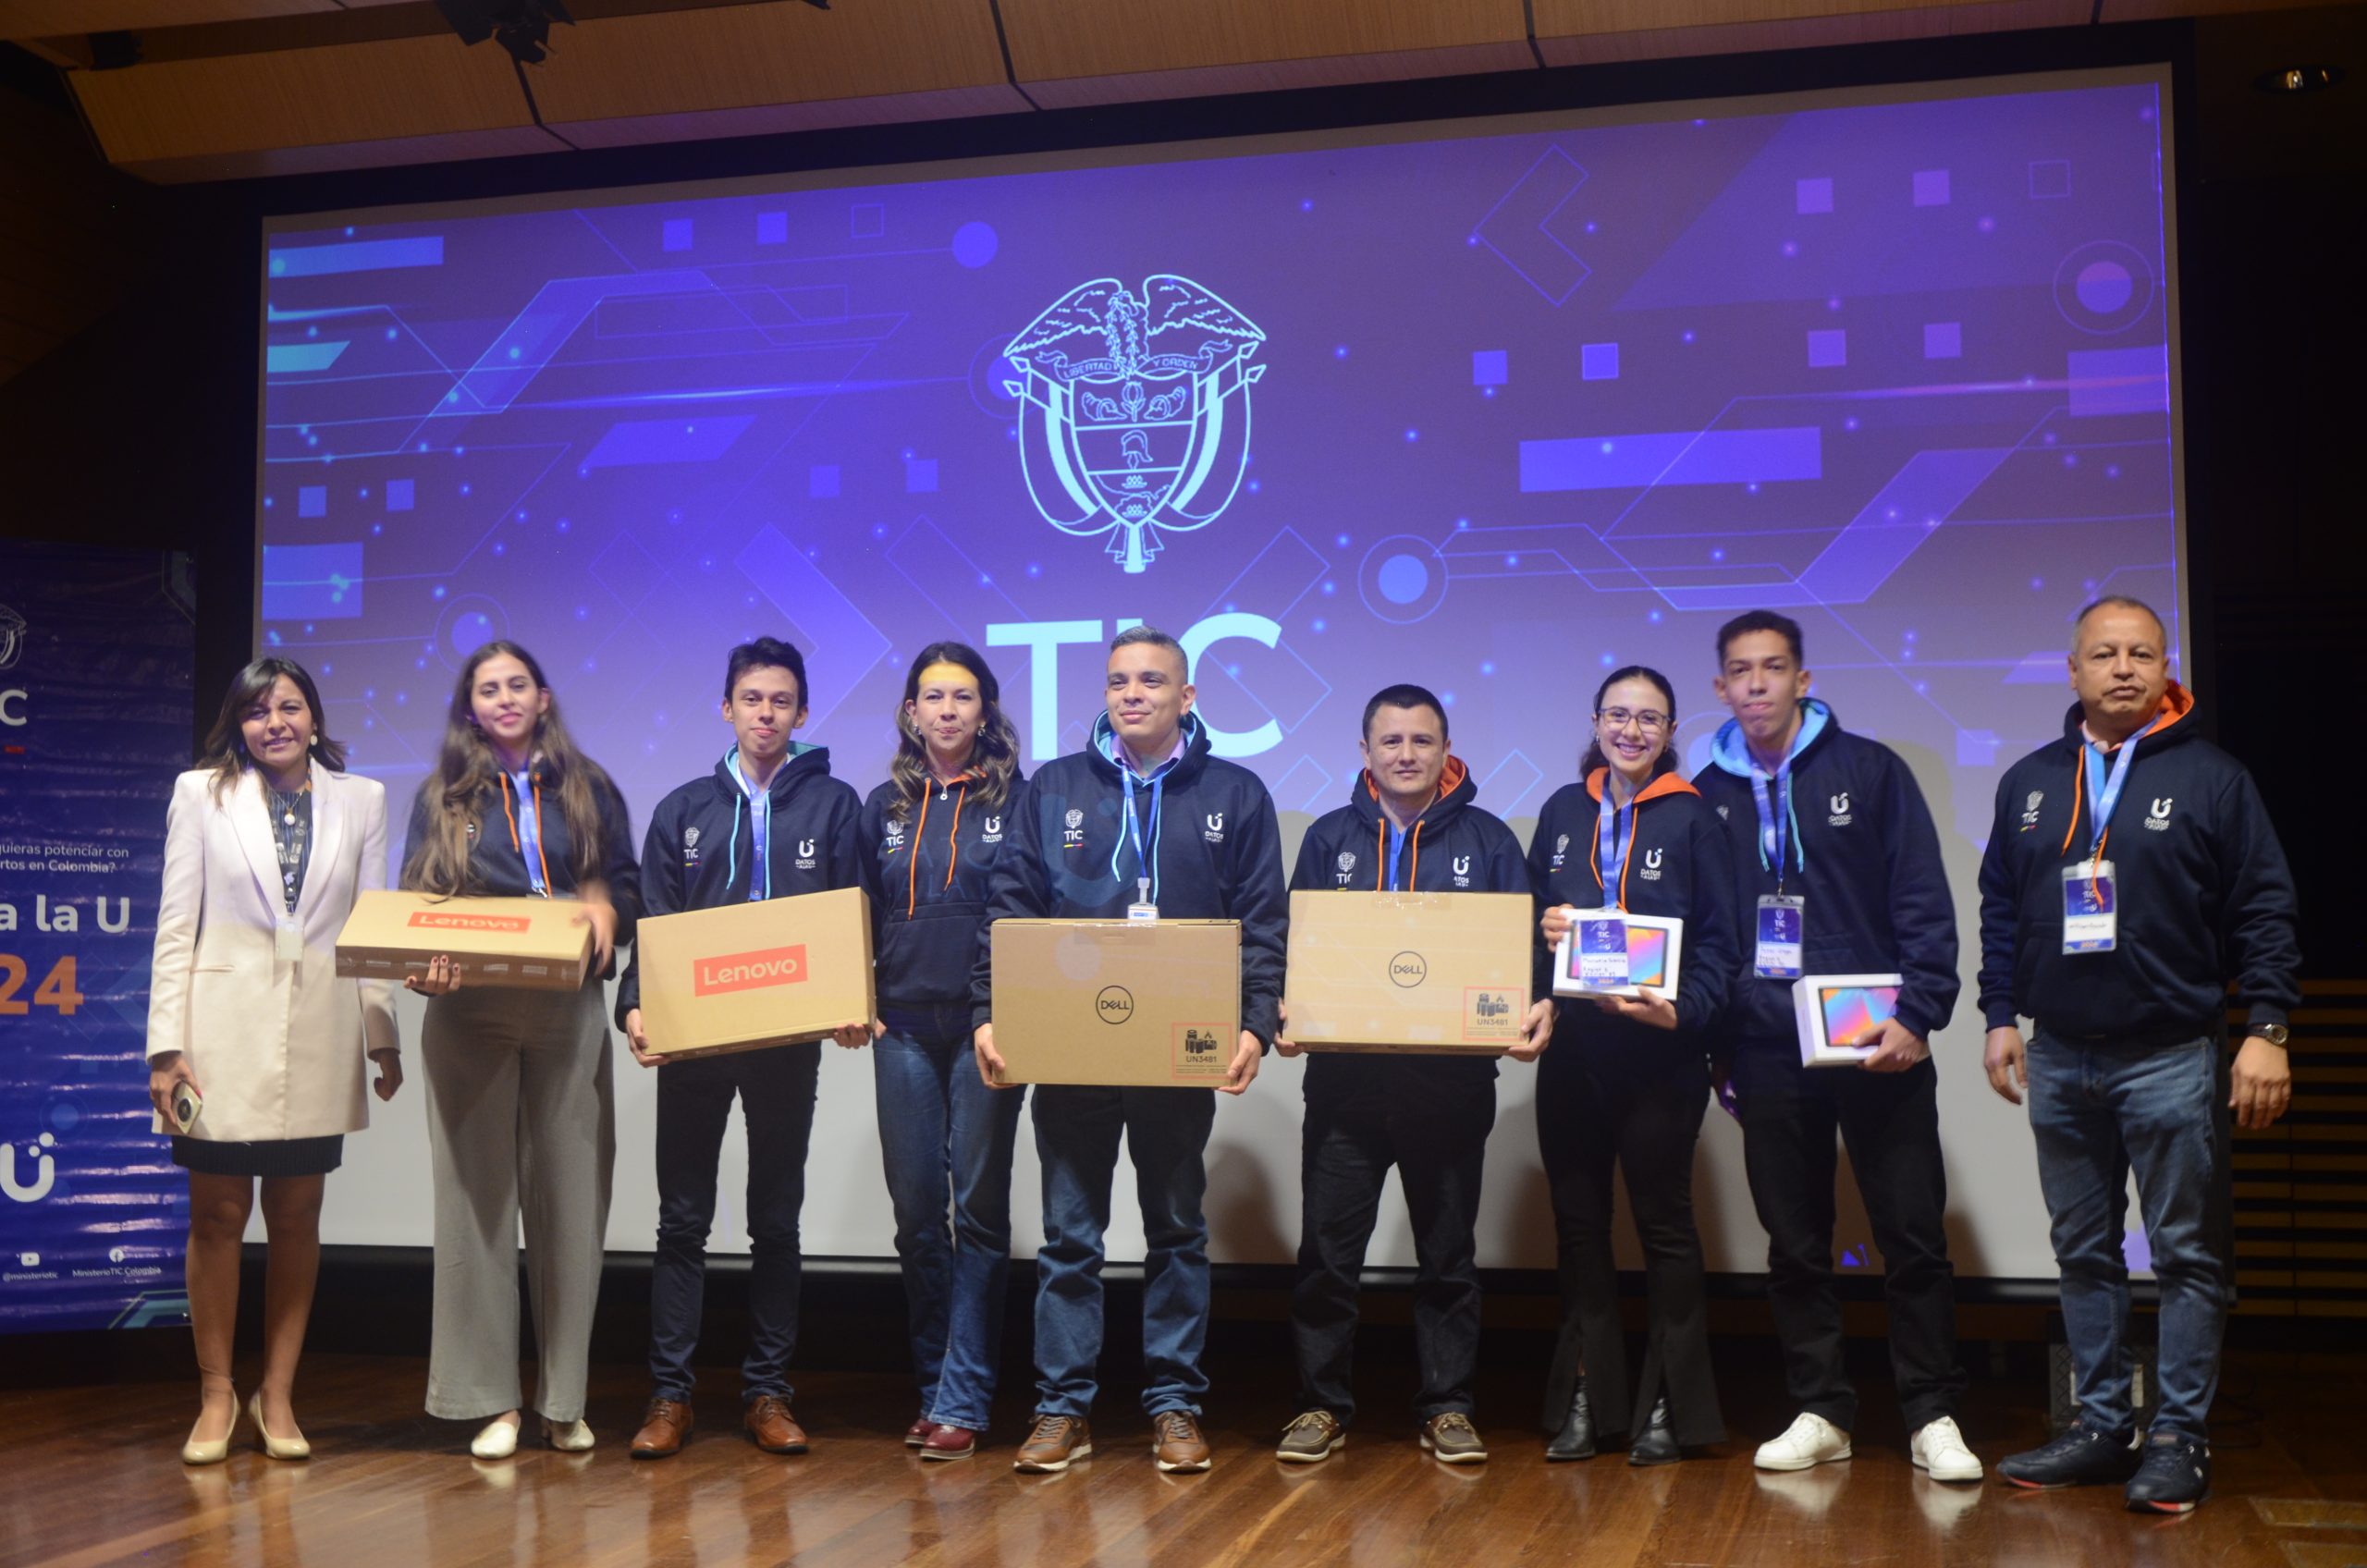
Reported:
(195, 1452)
(276, 1448)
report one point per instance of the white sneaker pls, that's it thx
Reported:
(1810, 1441)
(1938, 1448)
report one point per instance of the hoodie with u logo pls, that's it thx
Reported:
(926, 871)
(2204, 892)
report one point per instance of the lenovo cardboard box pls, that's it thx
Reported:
(1130, 1002)
(534, 944)
(1446, 973)
(771, 973)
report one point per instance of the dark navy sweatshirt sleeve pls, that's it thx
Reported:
(1540, 877)
(661, 890)
(1262, 904)
(2258, 932)
(2000, 898)
(1712, 938)
(1923, 918)
(620, 870)
(1018, 889)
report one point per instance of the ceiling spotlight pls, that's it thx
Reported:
(522, 26)
(2298, 78)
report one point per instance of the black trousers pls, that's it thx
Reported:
(1890, 1123)
(1634, 1096)
(1364, 1114)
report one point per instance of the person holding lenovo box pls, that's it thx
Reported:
(768, 821)
(1146, 819)
(2115, 928)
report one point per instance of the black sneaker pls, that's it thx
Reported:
(2175, 1476)
(2080, 1457)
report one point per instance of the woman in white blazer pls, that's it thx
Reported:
(268, 841)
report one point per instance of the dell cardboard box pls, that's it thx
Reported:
(1446, 973)
(529, 944)
(771, 973)
(1127, 1002)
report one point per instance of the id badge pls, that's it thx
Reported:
(1142, 908)
(1780, 920)
(1602, 948)
(286, 942)
(2091, 908)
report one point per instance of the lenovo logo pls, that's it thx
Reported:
(748, 972)
(442, 921)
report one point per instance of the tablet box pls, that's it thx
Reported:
(1834, 1011)
(1130, 1002)
(529, 944)
(1655, 960)
(775, 972)
(1436, 973)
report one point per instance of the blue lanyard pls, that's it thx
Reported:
(1772, 818)
(1614, 838)
(760, 828)
(2103, 793)
(530, 830)
(1398, 837)
(1146, 862)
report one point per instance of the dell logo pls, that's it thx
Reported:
(1408, 969)
(1114, 1005)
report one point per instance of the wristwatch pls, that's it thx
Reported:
(2274, 1034)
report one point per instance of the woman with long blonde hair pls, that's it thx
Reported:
(521, 1112)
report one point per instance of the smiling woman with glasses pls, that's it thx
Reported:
(1634, 1081)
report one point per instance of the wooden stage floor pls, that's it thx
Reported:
(93, 1476)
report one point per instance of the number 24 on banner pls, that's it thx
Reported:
(56, 988)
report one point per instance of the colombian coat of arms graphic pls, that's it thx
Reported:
(1134, 410)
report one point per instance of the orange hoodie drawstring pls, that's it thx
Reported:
(515, 842)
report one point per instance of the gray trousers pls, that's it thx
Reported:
(521, 1124)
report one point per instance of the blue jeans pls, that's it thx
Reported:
(942, 1128)
(1076, 1139)
(775, 1091)
(2099, 1111)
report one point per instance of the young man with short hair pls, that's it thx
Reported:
(2116, 932)
(1409, 826)
(1145, 815)
(766, 821)
(1837, 872)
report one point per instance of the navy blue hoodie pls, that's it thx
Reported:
(1214, 849)
(926, 873)
(1453, 846)
(701, 849)
(2204, 892)
(1678, 866)
(1864, 854)
(498, 866)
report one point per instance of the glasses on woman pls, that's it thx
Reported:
(1652, 721)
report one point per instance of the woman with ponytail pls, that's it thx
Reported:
(930, 836)
(522, 1117)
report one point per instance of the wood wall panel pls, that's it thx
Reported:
(73, 232)
(46, 18)
(1605, 34)
(429, 97)
(754, 69)
(1068, 53)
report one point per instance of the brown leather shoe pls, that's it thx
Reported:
(774, 1428)
(1176, 1443)
(663, 1427)
(949, 1442)
(917, 1433)
(1055, 1440)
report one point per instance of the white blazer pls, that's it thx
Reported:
(277, 1047)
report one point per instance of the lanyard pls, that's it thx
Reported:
(1611, 853)
(2104, 793)
(1773, 814)
(526, 828)
(1146, 861)
(1398, 837)
(760, 828)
